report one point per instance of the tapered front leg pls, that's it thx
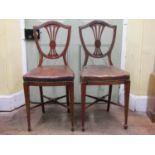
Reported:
(71, 94)
(126, 96)
(83, 104)
(27, 103)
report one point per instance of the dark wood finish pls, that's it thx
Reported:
(27, 103)
(52, 28)
(97, 27)
(67, 99)
(71, 96)
(101, 74)
(83, 101)
(109, 97)
(126, 96)
(42, 99)
(54, 75)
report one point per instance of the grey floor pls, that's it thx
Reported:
(56, 122)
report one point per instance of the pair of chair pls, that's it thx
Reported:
(62, 75)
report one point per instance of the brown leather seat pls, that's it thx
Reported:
(102, 72)
(50, 73)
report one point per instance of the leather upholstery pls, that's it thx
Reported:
(101, 72)
(50, 73)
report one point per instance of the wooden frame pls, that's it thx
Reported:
(123, 77)
(30, 79)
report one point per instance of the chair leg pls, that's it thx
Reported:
(27, 103)
(109, 97)
(71, 94)
(67, 98)
(83, 98)
(42, 99)
(126, 96)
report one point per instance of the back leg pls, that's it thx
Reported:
(109, 97)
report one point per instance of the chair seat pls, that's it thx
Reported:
(101, 72)
(50, 74)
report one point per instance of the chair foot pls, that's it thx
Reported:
(43, 107)
(125, 126)
(72, 129)
(83, 129)
(29, 130)
(108, 110)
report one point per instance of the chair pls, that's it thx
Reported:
(50, 75)
(101, 74)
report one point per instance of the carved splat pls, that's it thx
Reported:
(51, 28)
(97, 31)
(52, 33)
(97, 26)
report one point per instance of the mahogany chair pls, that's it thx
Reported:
(101, 74)
(50, 75)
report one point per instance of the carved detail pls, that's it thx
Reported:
(97, 31)
(52, 44)
(97, 28)
(52, 33)
(97, 43)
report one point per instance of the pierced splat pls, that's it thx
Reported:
(52, 33)
(51, 28)
(97, 31)
(97, 27)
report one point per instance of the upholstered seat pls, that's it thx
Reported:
(101, 72)
(50, 73)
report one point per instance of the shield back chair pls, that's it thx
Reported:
(50, 75)
(101, 74)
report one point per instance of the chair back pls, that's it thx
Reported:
(97, 27)
(51, 31)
